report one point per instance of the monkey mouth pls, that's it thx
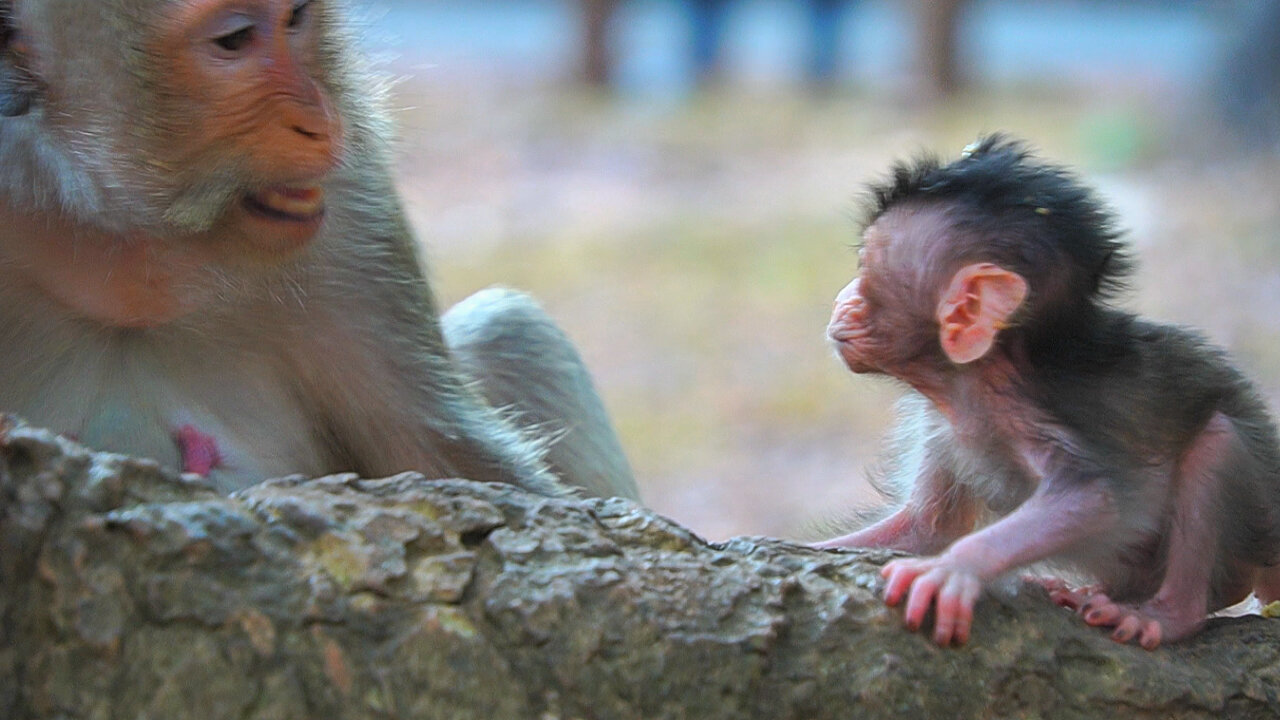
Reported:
(847, 344)
(840, 334)
(288, 203)
(854, 360)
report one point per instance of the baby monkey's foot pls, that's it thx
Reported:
(1149, 624)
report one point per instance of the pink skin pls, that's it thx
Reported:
(849, 317)
(199, 452)
(848, 327)
(937, 514)
(1046, 524)
(1092, 604)
(903, 530)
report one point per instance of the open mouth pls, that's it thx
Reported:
(288, 203)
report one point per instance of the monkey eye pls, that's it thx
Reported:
(237, 40)
(300, 13)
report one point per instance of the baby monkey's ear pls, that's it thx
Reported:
(975, 307)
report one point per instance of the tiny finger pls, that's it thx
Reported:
(1104, 615)
(923, 591)
(942, 630)
(897, 582)
(1094, 601)
(1151, 634)
(900, 576)
(964, 619)
(949, 610)
(1127, 629)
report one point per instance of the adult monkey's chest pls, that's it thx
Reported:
(145, 395)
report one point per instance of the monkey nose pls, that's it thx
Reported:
(848, 318)
(842, 331)
(849, 292)
(310, 134)
(849, 306)
(313, 126)
(313, 122)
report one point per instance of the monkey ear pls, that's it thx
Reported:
(975, 307)
(17, 87)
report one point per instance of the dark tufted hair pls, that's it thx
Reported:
(1024, 214)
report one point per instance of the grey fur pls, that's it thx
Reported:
(333, 362)
(497, 335)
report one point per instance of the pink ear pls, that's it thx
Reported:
(975, 307)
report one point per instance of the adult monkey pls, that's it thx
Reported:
(203, 260)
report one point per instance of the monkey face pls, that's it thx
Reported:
(207, 119)
(850, 328)
(856, 325)
(241, 93)
(883, 321)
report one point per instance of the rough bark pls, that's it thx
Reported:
(130, 593)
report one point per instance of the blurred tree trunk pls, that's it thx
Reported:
(129, 593)
(597, 48)
(937, 33)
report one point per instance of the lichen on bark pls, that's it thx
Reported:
(131, 593)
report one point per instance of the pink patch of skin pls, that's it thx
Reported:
(1047, 523)
(199, 451)
(848, 327)
(899, 531)
(937, 514)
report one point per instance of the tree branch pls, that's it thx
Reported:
(131, 593)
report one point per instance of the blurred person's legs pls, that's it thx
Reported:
(597, 52)
(824, 41)
(707, 19)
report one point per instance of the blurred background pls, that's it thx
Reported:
(678, 182)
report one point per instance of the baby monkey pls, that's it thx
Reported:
(1048, 426)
